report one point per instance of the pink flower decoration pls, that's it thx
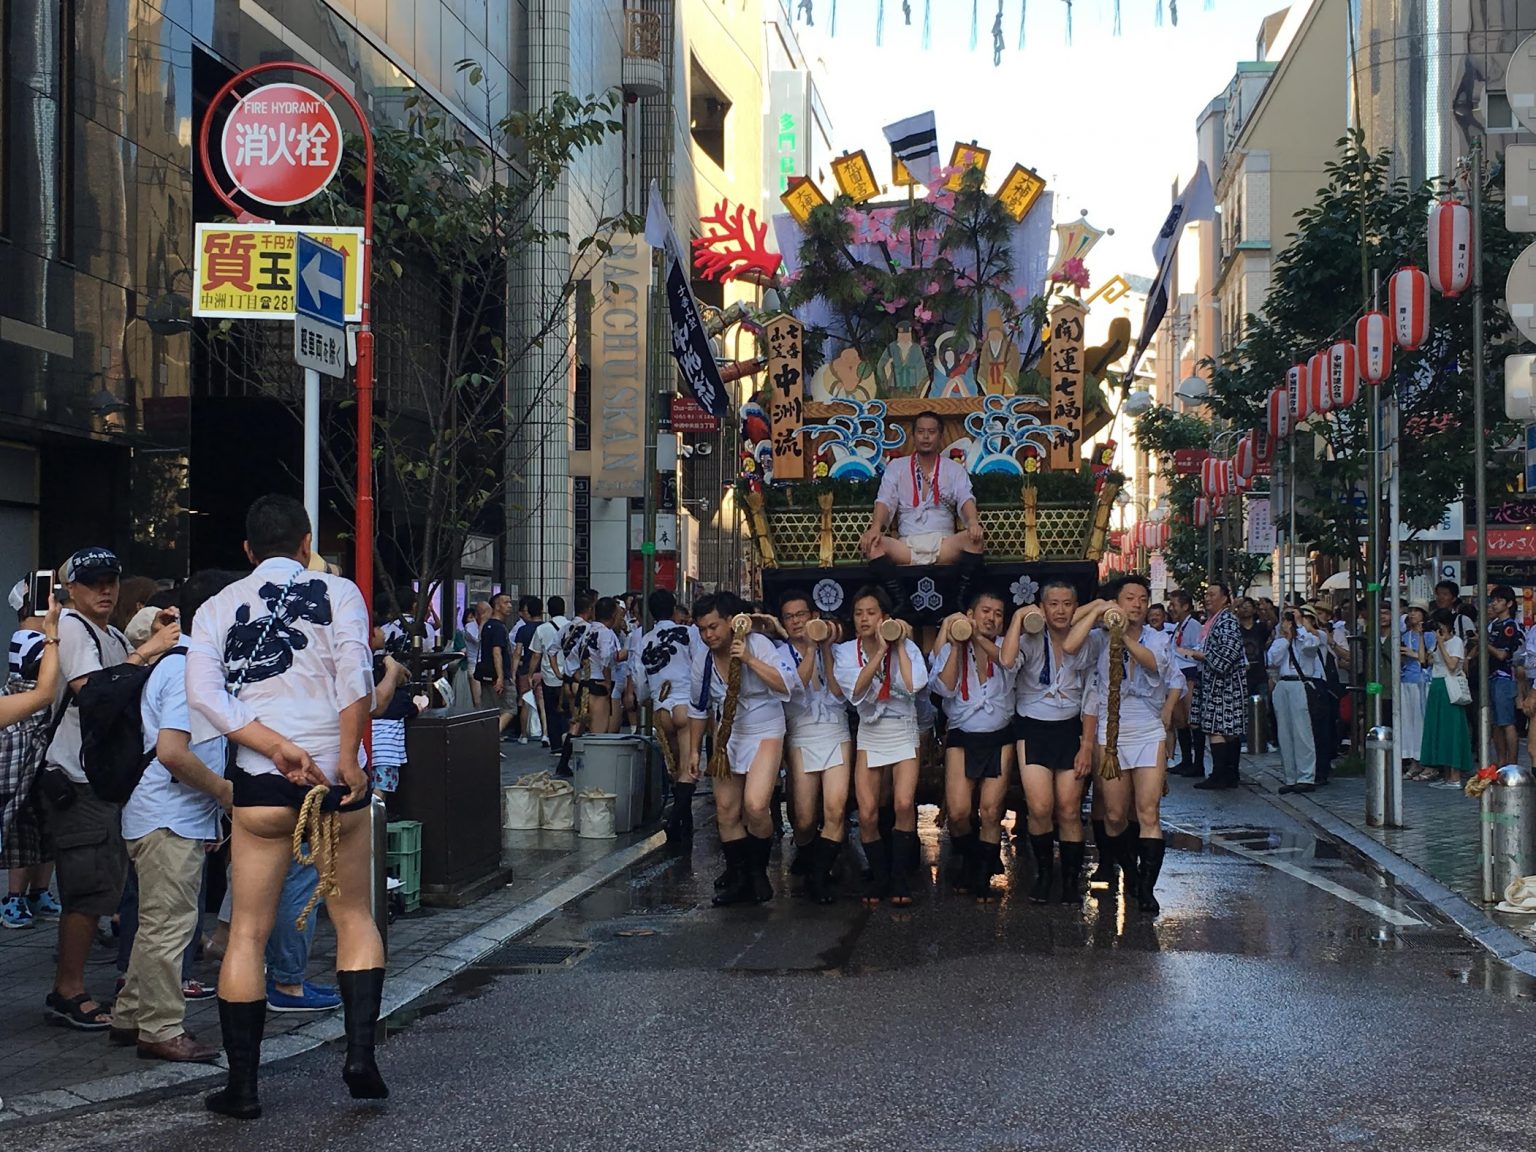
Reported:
(922, 314)
(1072, 272)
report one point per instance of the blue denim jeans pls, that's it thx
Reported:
(287, 947)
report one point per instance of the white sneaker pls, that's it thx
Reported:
(522, 739)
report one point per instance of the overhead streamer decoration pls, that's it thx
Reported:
(906, 12)
(1068, 3)
(975, 15)
(879, 23)
(927, 24)
(997, 37)
(1023, 12)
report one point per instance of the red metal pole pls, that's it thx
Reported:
(363, 506)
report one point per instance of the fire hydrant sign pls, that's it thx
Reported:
(251, 272)
(281, 144)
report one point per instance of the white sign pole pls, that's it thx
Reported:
(312, 451)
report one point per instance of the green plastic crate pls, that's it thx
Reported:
(404, 860)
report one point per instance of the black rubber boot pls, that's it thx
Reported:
(1071, 872)
(887, 822)
(1125, 850)
(970, 569)
(737, 887)
(1186, 763)
(879, 880)
(241, 1024)
(564, 767)
(818, 852)
(1043, 846)
(680, 823)
(960, 850)
(903, 848)
(885, 573)
(758, 850)
(1197, 767)
(1108, 867)
(987, 858)
(361, 994)
(1151, 866)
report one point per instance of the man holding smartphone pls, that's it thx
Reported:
(89, 854)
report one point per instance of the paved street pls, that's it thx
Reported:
(1291, 996)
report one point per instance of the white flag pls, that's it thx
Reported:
(659, 232)
(915, 142)
(1196, 202)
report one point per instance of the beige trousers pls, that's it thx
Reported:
(170, 870)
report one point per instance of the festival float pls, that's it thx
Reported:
(943, 301)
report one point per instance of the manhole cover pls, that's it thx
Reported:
(534, 957)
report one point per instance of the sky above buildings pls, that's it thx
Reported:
(1108, 120)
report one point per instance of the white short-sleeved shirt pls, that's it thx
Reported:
(160, 800)
(759, 709)
(907, 490)
(314, 663)
(814, 703)
(665, 656)
(1186, 634)
(1453, 648)
(1050, 684)
(573, 648)
(545, 637)
(973, 704)
(848, 663)
(1309, 647)
(79, 655)
(603, 646)
(1142, 691)
(472, 644)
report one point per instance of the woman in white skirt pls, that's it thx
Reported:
(756, 744)
(1417, 651)
(1142, 744)
(818, 747)
(882, 679)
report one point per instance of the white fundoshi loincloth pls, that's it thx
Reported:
(742, 748)
(888, 741)
(820, 745)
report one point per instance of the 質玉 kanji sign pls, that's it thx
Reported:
(250, 271)
(281, 144)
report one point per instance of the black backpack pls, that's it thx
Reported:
(112, 751)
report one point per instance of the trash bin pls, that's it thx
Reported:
(655, 771)
(1511, 822)
(616, 764)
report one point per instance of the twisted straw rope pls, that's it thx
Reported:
(323, 830)
(719, 762)
(1109, 767)
(668, 756)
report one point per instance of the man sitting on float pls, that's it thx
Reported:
(919, 498)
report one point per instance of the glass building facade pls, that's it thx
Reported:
(121, 423)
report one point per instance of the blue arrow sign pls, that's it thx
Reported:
(322, 271)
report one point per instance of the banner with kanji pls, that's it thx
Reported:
(786, 397)
(1066, 381)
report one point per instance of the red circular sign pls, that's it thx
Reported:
(281, 144)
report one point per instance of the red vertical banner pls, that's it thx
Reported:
(786, 396)
(1066, 354)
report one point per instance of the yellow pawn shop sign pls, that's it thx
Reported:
(250, 272)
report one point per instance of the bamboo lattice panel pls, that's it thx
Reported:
(796, 535)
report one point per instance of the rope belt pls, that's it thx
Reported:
(323, 831)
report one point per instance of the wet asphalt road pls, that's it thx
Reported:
(1288, 997)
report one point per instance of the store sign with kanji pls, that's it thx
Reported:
(250, 271)
(281, 144)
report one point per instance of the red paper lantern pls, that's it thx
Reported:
(1343, 374)
(1200, 513)
(1215, 476)
(1408, 304)
(1156, 537)
(1245, 461)
(1373, 346)
(1298, 386)
(1263, 444)
(1240, 483)
(1279, 416)
(1317, 382)
(1450, 247)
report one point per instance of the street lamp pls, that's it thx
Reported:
(1192, 392)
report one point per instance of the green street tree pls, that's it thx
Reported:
(1364, 223)
(452, 216)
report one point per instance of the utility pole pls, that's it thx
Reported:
(1373, 710)
(1480, 454)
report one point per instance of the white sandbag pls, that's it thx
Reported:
(557, 807)
(594, 815)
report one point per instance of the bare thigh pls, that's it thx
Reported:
(1117, 801)
(904, 793)
(261, 847)
(757, 794)
(1039, 794)
(806, 789)
(868, 783)
(959, 792)
(1148, 784)
(834, 794)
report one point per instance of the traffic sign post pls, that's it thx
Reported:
(270, 173)
(319, 344)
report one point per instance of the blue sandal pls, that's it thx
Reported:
(70, 1012)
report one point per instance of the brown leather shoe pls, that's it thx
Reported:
(183, 1049)
(122, 1037)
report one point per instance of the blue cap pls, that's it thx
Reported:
(89, 565)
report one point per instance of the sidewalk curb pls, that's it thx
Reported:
(1474, 923)
(412, 983)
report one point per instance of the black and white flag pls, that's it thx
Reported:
(915, 142)
(1196, 202)
(690, 343)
